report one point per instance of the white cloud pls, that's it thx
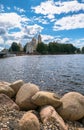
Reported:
(1, 43)
(19, 9)
(24, 35)
(70, 22)
(1, 8)
(16, 35)
(79, 42)
(50, 38)
(50, 8)
(63, 40)
(50, 16)
(9, 42)
(1, 48)
(8, 8)
(2, 31)
(47, 38)
(43, 21)
(1, 40)
(39, 20)
(33, 29)
(12, 20)
(53, 20)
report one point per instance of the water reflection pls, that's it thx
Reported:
(60, 73)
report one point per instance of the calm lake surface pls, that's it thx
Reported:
(59, 73)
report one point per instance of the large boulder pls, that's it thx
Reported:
(4, 83)
(73, 106)
(51, 117)
(23, 97)
(80, 128)
(5, 101)
(29, 121)
(5, 89)
(16, 85)
(42, 98)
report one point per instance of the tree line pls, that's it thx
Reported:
(16, 48)
(51, 48)
(56, 48)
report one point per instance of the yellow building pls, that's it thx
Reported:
(31, 46)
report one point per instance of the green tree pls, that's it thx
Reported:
(14, 47)
(42, 48)
(83, 50)
(56, 48)
(53, 48)
(68, 48)
(24, 49)
(77, 51)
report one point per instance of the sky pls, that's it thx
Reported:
(56, 20)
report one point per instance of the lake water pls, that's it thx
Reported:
(59, 73)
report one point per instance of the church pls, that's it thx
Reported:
(31, 46)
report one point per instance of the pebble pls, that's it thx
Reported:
(9, 120)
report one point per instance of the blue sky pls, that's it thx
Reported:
(55, 20)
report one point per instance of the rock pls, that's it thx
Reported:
(23, 97)
(5, 89)
(4, 83)
(29, 122)
(49, 115)
(80, 128)
(7, 102)
(42, 98)
(74, 125)
(73, 106)
(16, 85)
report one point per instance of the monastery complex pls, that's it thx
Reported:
(31, 46)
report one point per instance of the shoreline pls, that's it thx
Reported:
(11, 117)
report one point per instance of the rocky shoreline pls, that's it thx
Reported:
(24, 107)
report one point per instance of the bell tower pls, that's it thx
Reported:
(39, 39)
